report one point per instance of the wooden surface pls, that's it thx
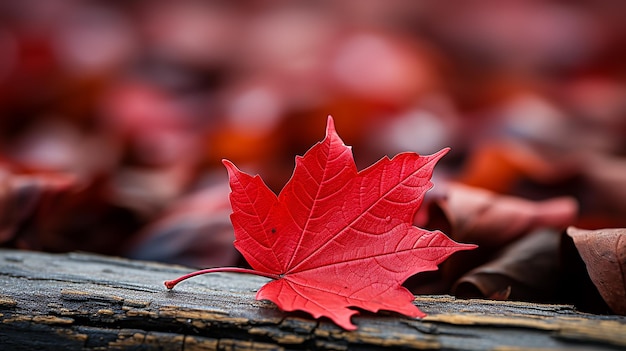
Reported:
(88, 302)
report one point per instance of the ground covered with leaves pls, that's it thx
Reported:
(115, 116)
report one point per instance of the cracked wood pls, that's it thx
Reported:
(89, 302)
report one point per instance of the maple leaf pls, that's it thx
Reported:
(335, 238)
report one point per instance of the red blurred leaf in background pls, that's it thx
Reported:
(194, 231)
(336, 238)
(25, 196)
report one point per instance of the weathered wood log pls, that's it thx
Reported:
(87, 302)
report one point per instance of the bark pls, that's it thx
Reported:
(88, 302)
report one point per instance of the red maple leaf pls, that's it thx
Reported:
(335, 238)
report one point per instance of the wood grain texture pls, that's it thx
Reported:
(88, 302)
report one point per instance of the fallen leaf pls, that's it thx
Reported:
(494, 220)
(526, 270)
(336, 238)
(490, 220)
(575, 287)
(22, 196)
(604, 253)
(81, 219)
(194, 231)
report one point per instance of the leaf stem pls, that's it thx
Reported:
(170, 284)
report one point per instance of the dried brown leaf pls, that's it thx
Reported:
(604, 253)
(493, 220)
(525, 270)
